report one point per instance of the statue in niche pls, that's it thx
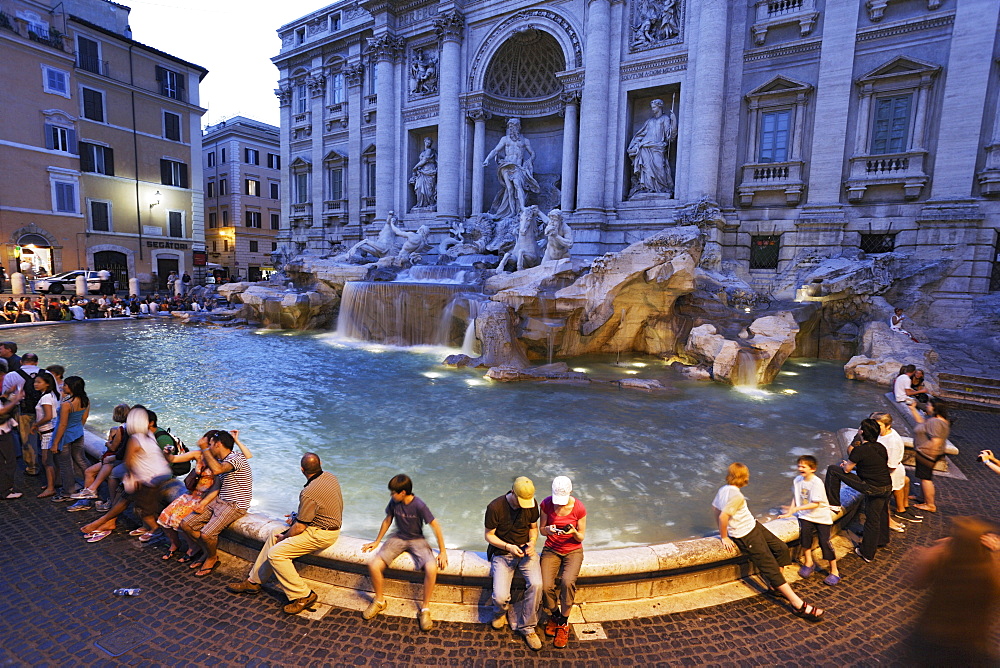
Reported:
(558, 237)
(515, 170)
(658, 20)
(524, 254)
(413, 242)
(424, 178)
(423, 74)
(381, 246)
(648, 151)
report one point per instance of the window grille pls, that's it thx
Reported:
(764, 251)
(878, 243)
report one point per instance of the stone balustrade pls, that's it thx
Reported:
(780, 177)
(903, 170)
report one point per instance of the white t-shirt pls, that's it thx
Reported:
(900, 386)
(812, 491)
(894, 446)
(47, 399)
(14, 381)
(729, 499)
(77, 311)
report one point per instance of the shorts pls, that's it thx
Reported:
(418, 548)
(924, 468)
(147, 500)
(898, 476)
(213, 521)
(45, 440)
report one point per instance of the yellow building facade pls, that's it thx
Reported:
(101, 142)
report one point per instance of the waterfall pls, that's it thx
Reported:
(448, 274)
(745, 370)
(469, 340)
(403, 314)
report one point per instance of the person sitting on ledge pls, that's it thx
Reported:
(738, 530)
(410, 514)
(921, 390)
(314, 526)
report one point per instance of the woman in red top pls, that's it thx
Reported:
(563, 522)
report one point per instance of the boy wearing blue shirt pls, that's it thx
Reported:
(410, 515)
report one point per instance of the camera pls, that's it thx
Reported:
(981, 458)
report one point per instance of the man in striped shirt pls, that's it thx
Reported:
(203, 528)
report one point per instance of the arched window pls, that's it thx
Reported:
(525, 67)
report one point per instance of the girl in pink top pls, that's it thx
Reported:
(563, 522)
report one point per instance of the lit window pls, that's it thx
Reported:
(253, 219)
(251, 187)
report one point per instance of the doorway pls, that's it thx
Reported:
(116, 263)
(165, 265)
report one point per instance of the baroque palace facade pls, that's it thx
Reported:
(819, 127)
(100, 142)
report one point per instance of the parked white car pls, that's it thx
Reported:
(66, 282)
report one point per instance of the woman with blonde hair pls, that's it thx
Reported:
(739, 531)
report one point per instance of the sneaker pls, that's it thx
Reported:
(102, 506)
(84, 494)
(243, 587)
(562, 636)
(82, 504)
(909, 516)
(532, 640)
(374, 608)
(551, 627)
(865, 559)
(499, 621)
(426, 623)
(13, 495)
(300, 604)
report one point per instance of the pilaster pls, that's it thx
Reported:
(594, 109)
(450, 27)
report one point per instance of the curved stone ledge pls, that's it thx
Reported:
(618, 583)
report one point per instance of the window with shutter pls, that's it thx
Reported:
(223, 186)
(274, 191)
(213, 219)
(774, 127)
(275, 221)
(175, 223)
(210, 189)
(171, 126)
(100, 216)
(97, 159)
(93, 105)
(173, 173)
(55, 81)
(65, 196)
(892, 124)
(88, 54)
(254, 246)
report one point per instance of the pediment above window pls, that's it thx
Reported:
(900, 68)
(335, 156)
(779, 90)
(300, 164)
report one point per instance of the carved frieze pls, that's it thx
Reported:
(651, 68)
(420, 113)
(423, 72)
(655, 23)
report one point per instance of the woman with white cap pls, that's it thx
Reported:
(563, 523)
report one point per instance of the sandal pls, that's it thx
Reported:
(98, 536)
(137, 532)
(806, 571)
(831, 579)
(204, 572)
(170, 554)
(187, 558)
(809, 613)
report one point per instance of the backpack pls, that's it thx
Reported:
(175, 448)
(31, 395)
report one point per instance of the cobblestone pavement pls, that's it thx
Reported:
(56, 601)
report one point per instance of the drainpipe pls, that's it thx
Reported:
(135, 150)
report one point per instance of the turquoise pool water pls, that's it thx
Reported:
(646, 465)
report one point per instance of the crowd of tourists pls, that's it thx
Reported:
(187, 496)
(42, 309)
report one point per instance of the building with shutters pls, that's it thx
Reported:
(100, 142)
(820, 128)
(242, 186)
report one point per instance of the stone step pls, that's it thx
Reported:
(961, 378)
(971, 401)
(970, 388)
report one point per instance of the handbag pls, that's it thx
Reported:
(191, 480)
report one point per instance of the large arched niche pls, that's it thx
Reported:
(525, 67)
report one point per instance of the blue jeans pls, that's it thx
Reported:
(523, 615)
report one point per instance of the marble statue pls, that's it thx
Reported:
(413, 242)
(424, 178)
(423, 74)
(515, 170)
(648, 150)
(657, 20)
(524, 254)
(381, 246)
(558, 237)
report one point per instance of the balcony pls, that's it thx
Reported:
(367, 204)
(335, 206)
(778, 177)
(771, 13)
(903, 170)
(371, 101)
(989, 178)
(93, 65)
(302, 210)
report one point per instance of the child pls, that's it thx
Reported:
(410, 514)
(739, 530)
(810, 506)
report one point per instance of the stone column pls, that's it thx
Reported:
(833, 100)
(317, 88)
(594, 107)
(353, 77)
(964, 100)
(383, 51)
(284, 95)
(709, 82)
(479, 118)
(449, 27)
(571, 99)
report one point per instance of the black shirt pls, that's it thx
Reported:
(872, 463)
(511, 524)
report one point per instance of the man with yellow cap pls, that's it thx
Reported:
(511, 531)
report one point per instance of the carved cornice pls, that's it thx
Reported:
(354, 74)
(385, 47)
(903, 28)
(795, 49)
(420, 113)
(649, 68)
(450, 26)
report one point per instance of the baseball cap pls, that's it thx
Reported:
(561, 488)
(524, 490)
